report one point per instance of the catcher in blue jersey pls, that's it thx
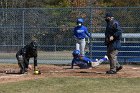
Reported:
(84, 62)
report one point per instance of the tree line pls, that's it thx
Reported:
(67, 3)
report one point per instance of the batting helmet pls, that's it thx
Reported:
(76, 53)
(80, 20)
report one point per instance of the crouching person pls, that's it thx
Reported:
(84, 62)
(23, 56)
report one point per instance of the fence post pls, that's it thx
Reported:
(55, 48)
(90, 44)
(124, 40)
(23, 28)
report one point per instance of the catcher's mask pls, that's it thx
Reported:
(33, 45)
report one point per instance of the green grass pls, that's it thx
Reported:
(74, 85)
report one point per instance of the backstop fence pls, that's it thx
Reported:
(52, 28)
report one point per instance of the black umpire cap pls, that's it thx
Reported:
(108, 15)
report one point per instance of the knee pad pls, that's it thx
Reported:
(21, 62)
(20, 58)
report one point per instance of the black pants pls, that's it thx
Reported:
(23, 63)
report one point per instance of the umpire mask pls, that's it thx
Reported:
(33, 45)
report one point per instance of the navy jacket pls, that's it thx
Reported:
(113, 29)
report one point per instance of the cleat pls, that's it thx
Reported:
(22, 71)
(118, 68)
(97, 60)
(106, 57)
(111, 72)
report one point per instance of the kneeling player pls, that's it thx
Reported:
(84, 62)
(24, 54)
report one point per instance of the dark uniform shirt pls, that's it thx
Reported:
(113, 29)
(28, 52)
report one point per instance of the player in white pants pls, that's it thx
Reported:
(80, 45)
(80, 33)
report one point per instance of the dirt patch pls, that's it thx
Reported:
(128, 71)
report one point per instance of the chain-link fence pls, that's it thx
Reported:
(53, 28)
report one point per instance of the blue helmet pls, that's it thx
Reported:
(80, 20)
(76, 53)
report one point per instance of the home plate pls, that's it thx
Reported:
(135, 68)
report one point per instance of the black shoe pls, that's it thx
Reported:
(26, 69)
(22, 71)
(111, 72)
(118, 68)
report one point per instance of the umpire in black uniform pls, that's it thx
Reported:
(24, 54)
(113, 35)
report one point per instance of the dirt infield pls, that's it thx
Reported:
(128, 71)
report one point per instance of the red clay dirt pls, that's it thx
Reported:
(128, 71)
